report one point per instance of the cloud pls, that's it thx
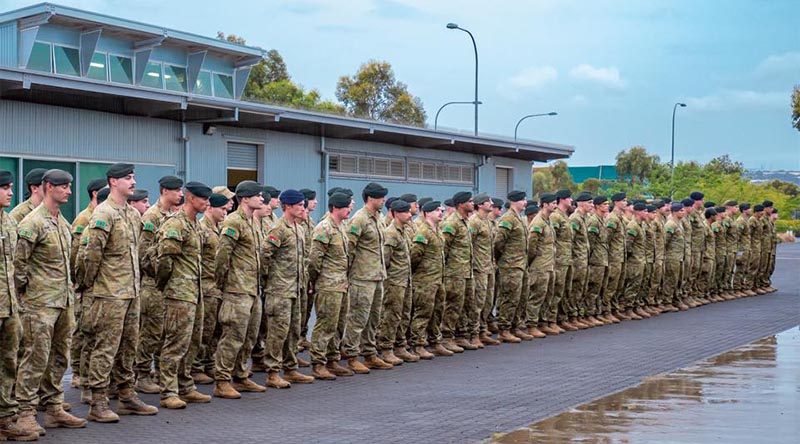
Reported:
(735, 99)
(579, 99)
(533, 77)
(776, 64)
(606, 77)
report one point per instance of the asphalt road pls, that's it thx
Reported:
(468, 397)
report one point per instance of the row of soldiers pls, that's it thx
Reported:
(157, 299)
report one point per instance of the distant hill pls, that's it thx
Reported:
(765, 176)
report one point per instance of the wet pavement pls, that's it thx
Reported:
(749, 394)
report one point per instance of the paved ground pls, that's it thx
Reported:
(468, 397)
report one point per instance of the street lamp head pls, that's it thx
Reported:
(452, 26)
(682, 105)
(553, 113)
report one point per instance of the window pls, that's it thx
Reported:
(40, 59)
(367, 166)
(223, 86)
(203, 84)
(67, 61)
(175, 78)
(120, 69)
(152, 75)
(98, 67)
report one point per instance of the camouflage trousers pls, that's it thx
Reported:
(326, 337)
(634, 274)
(541, 284)
(10, 333)
(611, 301)
(655, 295)
(260, 345)
(111, 329)
(595, 284)
(473, 311)
(204, 363)
(306, 306)
(77, 337)
(642, 298)
(424, 299)
(577, 304)
(183, 331)
(673, 274)
(706, 278)
(521, 313)
(754, 267)
(487, 312)
(730, 267)
(393, 298)
(151, 329)
(83, 352)
(719, 272)
(510, 286)
(763, 269)
(239, 320)
(435, 325)
(366, 305)
(403, 332)
(282, 316)
(684, 287)
(561, 290)
(695, 286)
(457, 291)
(741, 276)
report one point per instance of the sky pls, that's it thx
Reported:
(611, 69)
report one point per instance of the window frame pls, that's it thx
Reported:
(133, 67)
(160, 74)
(439, 168)
(107, 68)
(210, 83)
(164, 79)
(50, 52)
(214, 88)
(53, 58)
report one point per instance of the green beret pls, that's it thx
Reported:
(709, 204)
(309, 194)
(730, 203)
(137, 195)
(102, 195)
(388, 203)
(480, 199)
(651, 209)
(34, 176)
(96, 185)
(497, 202)
(584, 197)
(448, 203)
(598, 200)
(744, 206)
(461, 197)
(563, 194)
(348, 192)
(616, 197)
(667, 200)
(547, 198)
(248, 188)
(767, 204)
(120, 170)
(710, 212)
(170, 182)
(675, 207)
(758, 208)
(688, 202)
(339, 200)
(531, 209)
(658, 203)
(400, 206)
(199, 189)
(6, 178)
(57, 177)
(423, 200)
(375, 191)
(334, 190)
(639, 206)
(217, 200)
(431, 206)
(719, 209)
(696, 195)
(516, 196)
(271, 192)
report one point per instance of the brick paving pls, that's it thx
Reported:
(468, 397)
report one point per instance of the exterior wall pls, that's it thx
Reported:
(604, 172)
(521, 174)
(8, 44)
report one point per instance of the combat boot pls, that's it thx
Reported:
(173, 403)
(357, 366)
(337, 369)
(304, 344)
(258, 367)
(10, 430)
(440, 350)
(319, 371)
(76, 381)
(99, 411)
(26, 424)
(405, 355)
(130, 404)
(195, 397)
(388, 356)
(682, 306)
(613, 318)
(761, 291)
(247, 385)
(86, 396)
(522, 334)
(642, 313)
(621, 316)
(557, 327)
(297, 377)
(303, 363)
(465, 344)
(630, 314)
(476, 342)
(670, 308)
(224, 389)
(376, 363)
(202, 378)
(451, 345)
(487, 339)
(536, 333)
(506, 336)
(594, 322)
(274, 380)
(422, 353)
(493, 328)
(145, 384)
(568, 326)
(56, 417)
(548, 330)
(577, 322)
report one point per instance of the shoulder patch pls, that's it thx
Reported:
(322, 237)
(231, 233)
(173, 234)
(536, 229)
(449, 229)
(274, 240)
(504, 224)
(594, 229)
(84, 240)
(148, 226)
(670, 230)
(576, 226)
(555, 225)
(632, 232)
(611, 224)
(100, 223)
(421, 239)
(355, 230)
(78, 229)
(25, 233)
(715, 229)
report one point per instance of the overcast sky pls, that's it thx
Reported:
(611, 69)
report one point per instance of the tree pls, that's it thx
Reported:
(373, 92)
(784, 187)
(592, 185)
(636, 164)
(796, 107)
(542, 181)
(561, 176)
(724, 165)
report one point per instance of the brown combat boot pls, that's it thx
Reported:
(506, 336)
(304, 344)
(357, 366)
(621, 316)
(405, 355)
(145, 384)
(56, 417)
(493, 328)
(303, 363)
(422, 353)
(476, 342)
(670, 308)
(195, 397)
(522, 334)
(536, 332)
(26, 424)
(274, 380)
(224, 390)
(450, 344)
(548, 329)
(247, 385)
(337, 369)
(258, 367)
(557, 327)
(297, 377)
(388, 356)
(439, 350)
(130, 404)
(173, 403)
(641, 312)
(465, 344)
(632, 315)
(682, 306)
(568, 326)
(578, 322)
(319, 371)
(202, 378)
(487, 339)
(613, 318)
(99, 411)
(376, 363)
(9, 430)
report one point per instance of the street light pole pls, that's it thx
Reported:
(436, 119)
(475, 47)
(552, 113)
(672, 157)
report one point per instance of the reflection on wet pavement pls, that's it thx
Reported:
(749, 394)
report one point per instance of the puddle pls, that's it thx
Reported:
(749, 394)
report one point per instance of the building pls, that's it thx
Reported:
(80, 90)
(601, 172)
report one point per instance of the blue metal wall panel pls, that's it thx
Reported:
(206, 156)
(59, 34)
(8, 44)
(521, 175)
(169, 55)
(115, 45)
(398, 150)
(212, 63)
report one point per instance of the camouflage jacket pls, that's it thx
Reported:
(755, 234)
(457, 246)
(636, 242)
(541, 245)
(766, 233)
(179, 258)
(20, 211)
(482, 243)
(720, 248)
(209, 252)
(657, 227)
(148, 252)
(687, 236)
(709, 246)
(649, 241)
(731, 235)
(511, 242)
(328, 261)
(615, 227)
(110, 252)
(78, 225)
(308, 229)
(8, 245)
(396, 256)
(674, 250)
(563, 231)
(427, 255)
(743, 234)
(284, 259)
(237, 265)
(365, 246)
(698, 224)
(580, 239)
(598, 241)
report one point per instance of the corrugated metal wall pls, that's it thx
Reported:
(8, 44)
(521, 174)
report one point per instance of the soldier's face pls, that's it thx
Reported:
(255, 202)
(403, 217)
(172, 197)
(198, 204)
(126, 185)
(297, 210)
(470, 206)
(602, 209)
(59, 193)
(414, 208)
(6, 193)
(435, 215)
(497, 211)
(312, 205)
(274, 202)
(141, 205)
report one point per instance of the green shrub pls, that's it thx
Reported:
(783, 226)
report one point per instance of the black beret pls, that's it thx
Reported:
(334, 190)
(120, 170)
(431, 206)
(531, 209)
(731, 203)
(616, 197)
(57, 177)
(529, 202)
(516, 196)
(658, 203)
(696, 195)
(719, 209)
(375, 191)
(675, 207)
(758, 207)
(388, 203)
(248, 188)
(775, 211)
(710, 212)
(507, 205)
(767, 204)
(448, 202)
(291, 197)
(339, 200)
(309, 193)
(744, 206)
(217, 200)
(423, 201)
(547, 198)
(199, 189)
(6, 178)
(170, 182)
(667, 200)
(96, 185)
(102, 195)
(709, 204)
(639, 206)
(687, 202)
(599, 200)
(348, 192)
(497, 202)
(584, 197)
(34, 176)
(563, 193)
(481, 198)
(408, 197)
(400, 206)
(272, 192)
(651, 208)
(461, 197)
(137, 195)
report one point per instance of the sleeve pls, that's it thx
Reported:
(353, 234)
(319, 246)
(169, 244)
(222, 260)
(94, 241)
(389, 244)
(502, 237)
(417, 250)
(273, 242)
(147, 251)
(27, 239)
(534, 237)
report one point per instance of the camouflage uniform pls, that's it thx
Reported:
(327, 268)
(731, 248)
(404, 327)
(487, 311)
(766, 251)
(634, 262)
(367, 272)
(697, 238)
(20, 211)
(111, 278)
(755, 252)
(720, 253)
(563, 266)
(397, 258)
(686, 282)
(741, 277)
(10, 327)
(674, 255)
(211, 298)
(458, 283)
(649, 254)
(78, 225)
(262, 226)
(541, 261)
(774, 241)
(306, 299)
(237, 269)
(511, 251)
(284, 260)
(179, 253)
(580, 264)
(655, 295)
(427, 264)
(597, 276)
(709, 257)
(615, 229)
(482, 267)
